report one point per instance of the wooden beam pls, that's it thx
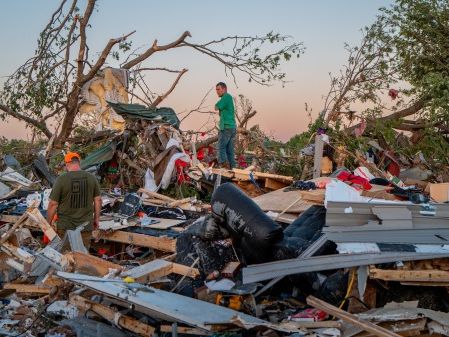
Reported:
(273, 184)
(350, 318)
(285, 179)
(150, 271)
(162, 243)
(156, 269)
(91, 265)
(27, 288)
(318, 156)
(410, 275)
(22, 255)
(11, 230)
(124, 321)
(9, 218)
(155, 195)
(186, 330)
(181, 269)
(35, 215)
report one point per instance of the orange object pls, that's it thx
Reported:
(70, 156)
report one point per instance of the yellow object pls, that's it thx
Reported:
(232, 302)
(128, 279)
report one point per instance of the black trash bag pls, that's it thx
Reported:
(289, 248)
(212, 255)
(206, 228)
(246, 223)
(334, 288)
(308, 224)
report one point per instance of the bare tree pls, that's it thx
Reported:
(48, 85)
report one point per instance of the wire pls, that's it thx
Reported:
(348, 291)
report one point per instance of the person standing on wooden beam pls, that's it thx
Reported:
(227, 127)
(75, 199)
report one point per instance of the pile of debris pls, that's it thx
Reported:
(349, 253)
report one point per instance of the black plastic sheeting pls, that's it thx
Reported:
(252, 231)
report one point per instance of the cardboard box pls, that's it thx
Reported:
(439, 192)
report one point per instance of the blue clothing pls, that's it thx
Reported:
(226, 139)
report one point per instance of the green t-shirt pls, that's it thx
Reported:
(227, 112)
(74, 191)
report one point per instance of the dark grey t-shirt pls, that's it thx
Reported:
(74, 192)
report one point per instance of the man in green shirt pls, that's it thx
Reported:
(227, 127)
(75, 199)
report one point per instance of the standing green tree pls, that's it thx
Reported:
(408, 47)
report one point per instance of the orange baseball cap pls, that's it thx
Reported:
(70, 156)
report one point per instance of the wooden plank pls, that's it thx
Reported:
(410, 275)
(186, 330)
(278, 201)
(91, 265)
(230, 269)
(162, 243)
(12, 250)
(9, 218)
(285, 179)
(273, 184)
(181, 269)
(150, 271)
(315, 196)
(38, 218)
(404, 328)
(124, 321)
(318, 156)
(11, 230)
(155, 195)
(347, 317)
(28, 288)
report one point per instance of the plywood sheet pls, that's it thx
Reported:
(278, 201)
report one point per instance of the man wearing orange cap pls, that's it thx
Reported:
(75, 199)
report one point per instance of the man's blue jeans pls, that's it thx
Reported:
(226, 139)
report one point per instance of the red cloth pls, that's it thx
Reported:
(181, 177)
(346, 176)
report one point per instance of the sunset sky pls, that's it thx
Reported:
(322, 25)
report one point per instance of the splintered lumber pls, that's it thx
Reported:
(162, 243)
(156, 269)
(38, 218)
(155, 195)
(123, 321)
(277, 177)
(21, 254)
(18, 223)
(435, 275)
(278, 201)
(180, 202)
(274, 184)
(9, 218)
(350, 318)
(31, 289)
(230, 269)
(186, 330)
(91, 265)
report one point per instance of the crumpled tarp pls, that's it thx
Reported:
(166, 115)
(104, 153)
